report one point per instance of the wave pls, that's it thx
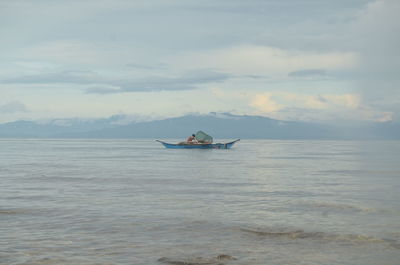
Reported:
(11, 211)
(354, 239)
(340, 206)
(28, 197)
(198, 260)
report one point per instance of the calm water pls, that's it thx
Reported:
(262, 202)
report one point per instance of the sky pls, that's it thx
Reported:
(304, 60)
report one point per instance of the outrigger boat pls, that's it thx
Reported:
(200, 140)
(185, 145)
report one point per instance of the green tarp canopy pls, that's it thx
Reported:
(203, 137)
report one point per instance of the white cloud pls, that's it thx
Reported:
(265, 60)
(301, 106)
(321, 101)
(264, 103)
(375, 33)
(264, 49)
(13, 107)
(311, 107)
(72, 52)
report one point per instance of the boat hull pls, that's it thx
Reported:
(199, 146)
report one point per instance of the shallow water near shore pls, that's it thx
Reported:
(261, 202)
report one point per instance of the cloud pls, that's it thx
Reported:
(317, 107)
(251, 47)
(255, 76)
(308, 73)
(331, 115)
(188, 81)
(103, 89)
(70, 77)
(159, 66)
(71, 52)
(13, 107)
(265, 103)
(375, 32)
(145, 85)
(99, 85)
(265, 60)
(320, 101)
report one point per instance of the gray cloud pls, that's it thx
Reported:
(178, 25)
(378, 76)
(188, 81)
(13, 107)
(308, 73)
(71, 77)
(138, 34)
(255, 76)
(160, 66)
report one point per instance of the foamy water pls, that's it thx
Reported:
(262, 202)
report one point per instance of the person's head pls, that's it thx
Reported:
(193, 135)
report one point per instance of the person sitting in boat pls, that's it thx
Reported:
(192, 139)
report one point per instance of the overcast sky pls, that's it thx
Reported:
(313, 60)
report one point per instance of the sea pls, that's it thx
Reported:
(280, 202)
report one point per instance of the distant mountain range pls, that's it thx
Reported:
(219, 125)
